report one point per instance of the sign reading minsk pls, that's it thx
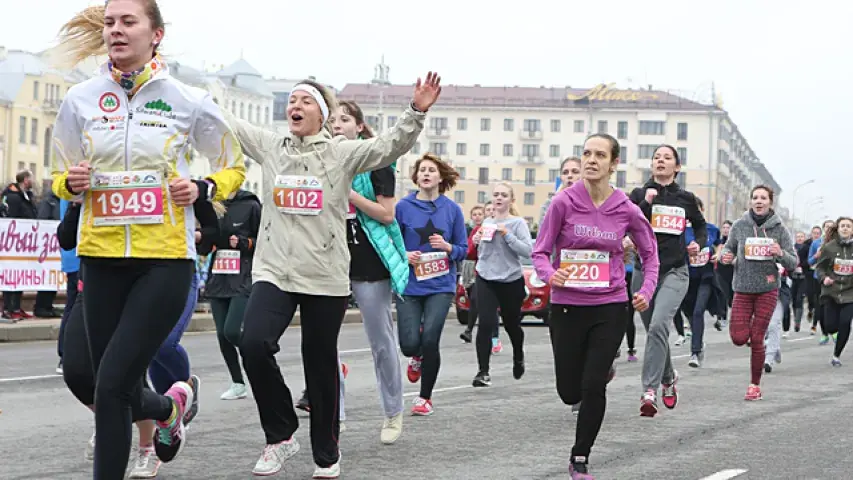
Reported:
(30, 256)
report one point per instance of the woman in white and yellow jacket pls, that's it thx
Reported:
(123, 140)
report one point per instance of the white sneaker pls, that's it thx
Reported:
(343, 428)
(392, 428)
(679, 341)
(785, 335)
(146, 465)
(235, 392)
(333, 471)
(274, 457)
(90, 449)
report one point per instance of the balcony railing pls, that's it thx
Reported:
(530, 159)
(432, 132)
(51, 106)
(531, 134)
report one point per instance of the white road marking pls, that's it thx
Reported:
(356, 350)
(726, 474)
(800, 339)
(439, 390)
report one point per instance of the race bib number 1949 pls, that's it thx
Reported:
(127, 198)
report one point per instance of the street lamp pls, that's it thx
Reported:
(794, 202)
(815, 202)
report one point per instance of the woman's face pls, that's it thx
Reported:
(761, 202)
(501, 199)
(596, 162)
(490, 211)
(845, 229)
(816, 233)
(570, 173)
(664, 164)
(128, 34)
(800, 237)
(477, 216)
(428, 175)
(304, 116)
(344, 124)
(725, 230)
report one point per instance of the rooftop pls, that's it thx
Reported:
(241, 74)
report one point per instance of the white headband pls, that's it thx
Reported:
(318, 97)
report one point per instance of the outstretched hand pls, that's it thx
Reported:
(427, 92)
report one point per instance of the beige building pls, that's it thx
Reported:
(30, 94)
(521, 134)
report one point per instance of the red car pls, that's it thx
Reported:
(536, 303)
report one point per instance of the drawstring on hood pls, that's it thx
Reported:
(760, 219)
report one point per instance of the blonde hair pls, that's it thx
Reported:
(83, 36)
(513, 210)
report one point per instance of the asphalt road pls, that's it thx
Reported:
(513, 430)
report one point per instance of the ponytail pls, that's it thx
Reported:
(83, 35)
(513, 210)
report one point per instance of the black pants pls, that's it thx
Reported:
(837, 319)
(228, 315)
(130, 307)
(268, 314)
(474, 309)
(584, 341)
(44, 303)
(12, 301)
(631, 330)
(508, 297)
(818, 318)
(694, 305)
(70, 300)
(813, 293)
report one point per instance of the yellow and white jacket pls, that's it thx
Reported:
(156, 131)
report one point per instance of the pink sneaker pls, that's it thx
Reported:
(632, 357)
(170, 437)
(578, 469)
(497, 346)
(422, 407)
(670, 393)
(414, 371)
(753, 393)
(648, 404)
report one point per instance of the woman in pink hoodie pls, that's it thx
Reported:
(589, 301)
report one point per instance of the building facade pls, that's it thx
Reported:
(520, 135)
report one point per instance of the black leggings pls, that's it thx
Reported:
(837, 318)
(268, 314)
(474, 309)
(508, 297)
(584, 341)
(631, 330)
(130, 307)
(228, 315)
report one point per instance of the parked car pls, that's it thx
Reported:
(536, 302)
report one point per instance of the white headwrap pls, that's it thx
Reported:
(318, 97)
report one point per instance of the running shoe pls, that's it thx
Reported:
(392, 428)
(274, 456)
(753, 393)
(670, 393)
(414, 371)
(193, 411)
(332, 471)
(578, 469)
(576, 408)
(824, 339)
(648, 404)
(482, 380)
(497, 346)
(518, 369)
(632, 356)
(304, 404)
(344, 369)
(694, 361)
(235, 392)
(422, 407)
(89, 454)
(778, 356)
(59, 370)
(146, 464)
(768, 368)
(466, 336)
(835, 362)
(170, 436)
(679, 341)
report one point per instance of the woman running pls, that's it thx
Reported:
(434, 231)
(474, 306)
(799, 282)
(668, 208)
(570, 172)
(723, 274)
(302, 260)
(229, 280)
(586, 224)
(814, 254)
(378, 268)
(835, 272)
(758, 241)
(503, 241)
(135, 238)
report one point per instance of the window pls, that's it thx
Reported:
(578, 126)
(623, 154)
(529, 198)
(647, 175)
(279, 107)
(484, 149)
(682, 131)
(507, 149)
(553, 174)
(22, 130)
(530, 150)
(622, 130)
(485, 124)
(36, 90)
(506, 174)
(461, 149)
(530, 176)
(438, 124)
(652, 128)
(416, 148)
(682, 155)
(461, 124)
(34, 131)
(372, 122)
(481, 197)
(459, 196)
(251, 112)
(682, 179)
(242, 111)
(532, 125)
(22, 166)
(555, 126)
(438, 148)
(392, 120)
(621, 181)
(267, 115)
(461, 172)
(646, 151)
(509, 125)
(577, 151)
(483, 178)
(602, 126)
(554, 151)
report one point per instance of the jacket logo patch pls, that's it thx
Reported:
(159, 105)
(109, 102)
(152, 124)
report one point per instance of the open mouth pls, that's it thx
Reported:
(118, 44)
(296, 117)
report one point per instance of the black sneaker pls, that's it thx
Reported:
(193, 411)
(466, 336)
(482, 380)
(768, 368)
(578, 469)
(303, 403)
(518, 369)
(576, 408)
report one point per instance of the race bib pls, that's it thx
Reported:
(668, 220)
(432, 265)
(226, 262)
(298, 194)
(843, 267)
(758, 248)
(488, 232)
(587, 268)
(701, 259)
(127, 198)
(351, 212)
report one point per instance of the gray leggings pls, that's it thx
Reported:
(374, 301)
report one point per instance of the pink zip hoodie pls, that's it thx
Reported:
(573, 223)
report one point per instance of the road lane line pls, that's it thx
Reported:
(726, 474)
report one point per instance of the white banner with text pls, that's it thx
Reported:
(30, 256)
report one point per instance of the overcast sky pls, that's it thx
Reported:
(784, 69)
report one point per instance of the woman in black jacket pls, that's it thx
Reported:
(230, 279)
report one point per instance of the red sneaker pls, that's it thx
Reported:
(414, 371)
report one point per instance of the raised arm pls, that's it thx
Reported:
(211, 135)
(256, 142)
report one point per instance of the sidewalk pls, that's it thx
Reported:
(35, 329)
